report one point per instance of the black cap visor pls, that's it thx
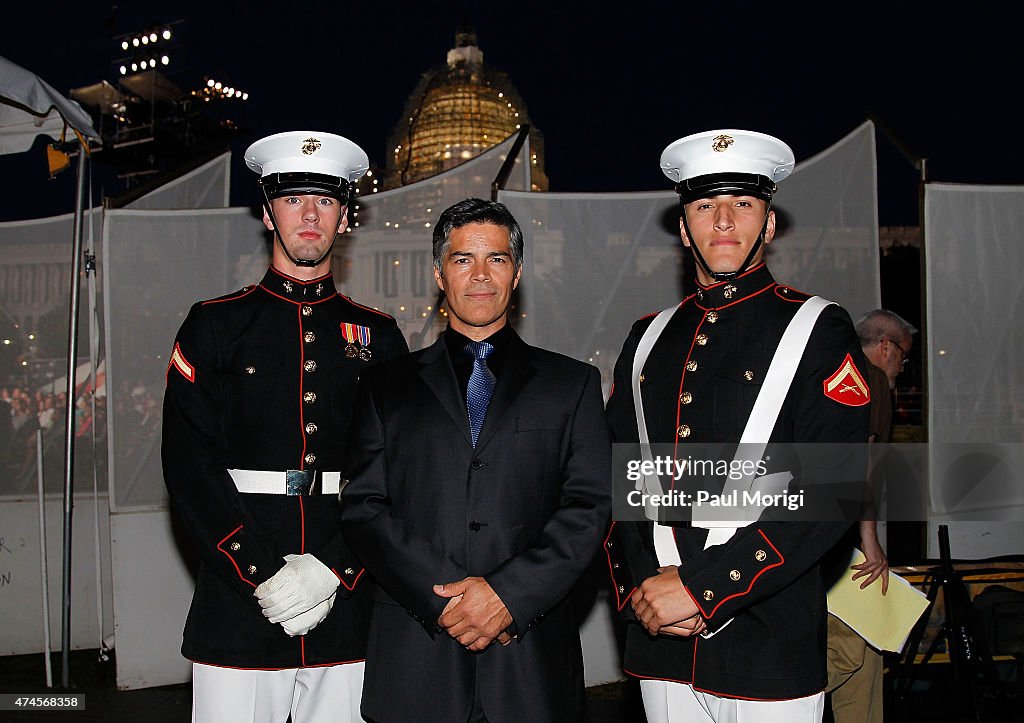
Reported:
(278, 185)
(725, 184)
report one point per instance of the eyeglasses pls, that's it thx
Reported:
(906, 355)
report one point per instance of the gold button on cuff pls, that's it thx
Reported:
(712, 317)
(310, 428)
(309, 458)
(309, 397)
(748, 375)
(734, 575)
(691, 366)
(708, 595)
(236, 546)
(685, 398)
(760, 555)
(683, 430)
(349, 571)
(252, 569)
(701, 339)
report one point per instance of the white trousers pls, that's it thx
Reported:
(666, 702)
(310, 695)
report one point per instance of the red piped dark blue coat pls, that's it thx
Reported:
(260, 380)
(699, 385)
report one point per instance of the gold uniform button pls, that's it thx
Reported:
(309, 337)
(349, 571)
(708, 595)
(236, 546)
(609, 544)
(712, 317)
(309, 366)
(683, 430)
(701, 339)
(734, 575)
(622, 589)
(685, 398)
(641, 378)
(309, 458)
(307, 310)
(250, 370)
(252, 569)
(728, 291)
(615, 566)
(748, 375)
(309, 397)
(310, 428)
(760, 555)
(691, 366)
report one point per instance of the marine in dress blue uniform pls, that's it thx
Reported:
(699, 384)
(258, 405)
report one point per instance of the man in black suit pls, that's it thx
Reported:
(479, 493)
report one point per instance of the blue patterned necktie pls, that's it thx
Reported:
(481, 384)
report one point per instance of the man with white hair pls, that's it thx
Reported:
(730, 617)
(854, 667)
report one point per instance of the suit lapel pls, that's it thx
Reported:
(437, 372)
(516, 373)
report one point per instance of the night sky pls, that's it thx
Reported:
(608, 88)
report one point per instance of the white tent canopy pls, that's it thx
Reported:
(29, 106)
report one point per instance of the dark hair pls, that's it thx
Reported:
(477, 210)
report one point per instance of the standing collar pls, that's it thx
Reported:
(297, 290)
(724, 293)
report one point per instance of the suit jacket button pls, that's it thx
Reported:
(708, 595)
(734, 575)
(477, 464)
(760, 555)
(474, 526)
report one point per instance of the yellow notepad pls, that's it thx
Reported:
(885, 621)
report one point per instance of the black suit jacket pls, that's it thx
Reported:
(525, 509)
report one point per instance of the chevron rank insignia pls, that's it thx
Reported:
(847, 385)
(179, 362)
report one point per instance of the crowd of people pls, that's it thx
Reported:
(24, 410)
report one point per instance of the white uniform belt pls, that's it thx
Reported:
(291, 482)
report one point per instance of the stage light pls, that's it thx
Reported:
(134, 67)
(245, 96)
(124, 45)
(165, 60)
(209, 83)
(167, 35)
(218, 85)
(135, 42)
(124, 70)
(145, 40)
(152, 37)
(143, 65)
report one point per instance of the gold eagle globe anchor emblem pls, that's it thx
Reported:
(311, 146)
(721, 143)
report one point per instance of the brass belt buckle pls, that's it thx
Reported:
(298, 482)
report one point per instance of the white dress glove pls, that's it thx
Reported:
(302, 584)
(304, 622)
